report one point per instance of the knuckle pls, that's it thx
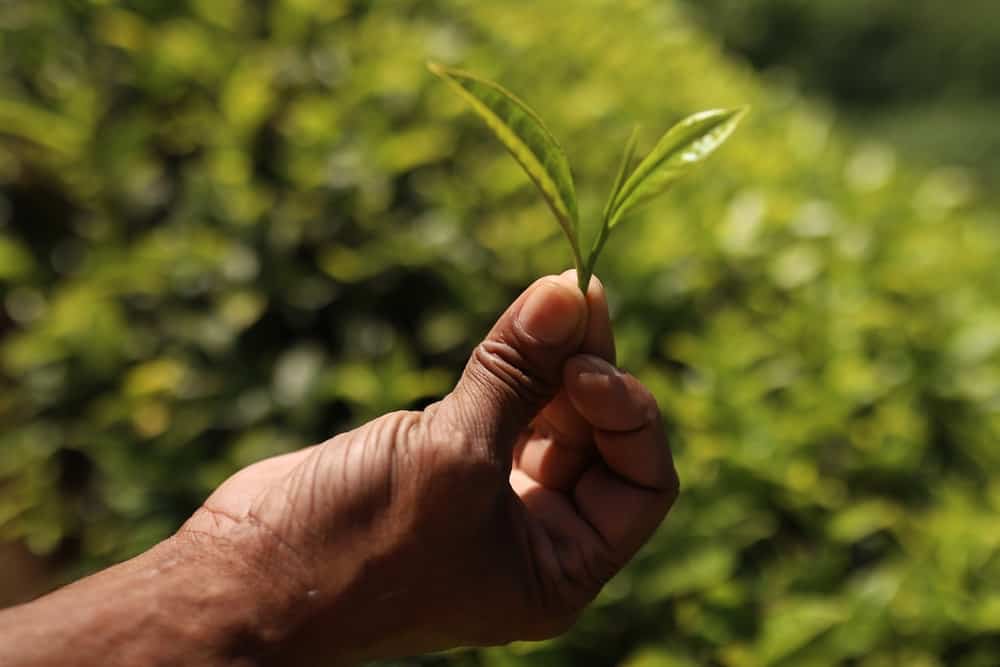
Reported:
(506, 368)
(643, 397)
(586, 571)
(601, 568)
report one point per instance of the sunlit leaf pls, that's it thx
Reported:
(794, 625)
(628, 159)
(520, 129)
(45, 128)
(678, 151)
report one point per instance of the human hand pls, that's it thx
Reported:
(495, 514)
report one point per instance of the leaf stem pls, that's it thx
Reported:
(582, 269)
(595, 252)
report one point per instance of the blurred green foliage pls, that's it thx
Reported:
(869, 51)
(923, 73)
(231, 229)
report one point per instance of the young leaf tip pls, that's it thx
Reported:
(736, 114)
(437, 69)
(522, 132)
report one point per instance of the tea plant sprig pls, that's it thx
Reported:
(522, 132)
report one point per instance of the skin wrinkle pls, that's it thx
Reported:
(376, 457)
(366, 465)
(567, 571)
(670, 484)
(502, 359)
(263, 525)
(393, 465)
(583, 517)
(544, 429)
(445, 429)
(453, 451)
(399, 452)
(561, 584)
(544, 433)
(600, 564)
(526, 589)
(291, 496)
(572, 500)
(573, 564)
(542, 544)
(671, 481)
(311, 477)
(176, 615)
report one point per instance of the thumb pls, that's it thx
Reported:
(517, 369)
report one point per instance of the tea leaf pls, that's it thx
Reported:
(628, 157)
(678, 151)
(522, 132)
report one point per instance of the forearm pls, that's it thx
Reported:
(166, 607)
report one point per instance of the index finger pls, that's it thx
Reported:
(559, 415)
(626, 495)
(565, 447)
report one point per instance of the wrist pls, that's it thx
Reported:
(175, 604)
(214, 600)
(267, 607)
(246, 588)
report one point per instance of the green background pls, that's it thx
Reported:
(229, 229)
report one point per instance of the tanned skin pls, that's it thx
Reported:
(494, 515)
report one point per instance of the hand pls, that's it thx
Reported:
(495, 514)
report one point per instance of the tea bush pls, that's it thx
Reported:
(232, 229)
(920, 72)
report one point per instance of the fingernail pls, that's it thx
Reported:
(594, 373)
(552, 313)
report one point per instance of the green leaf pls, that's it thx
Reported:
(44, 128)
(628, 158)
(794, 625)
(678, 151)
(15, 259)
(522, 132)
